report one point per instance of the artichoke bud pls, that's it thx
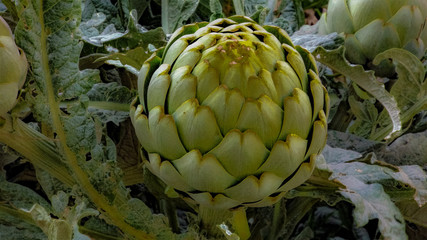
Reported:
(13, 68)
(371, 27)
(231, 113)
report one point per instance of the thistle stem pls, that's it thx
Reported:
(276, 218)
(240, 223)
(210, 218)
(168, 208)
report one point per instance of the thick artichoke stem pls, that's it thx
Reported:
(240, 223)
(169, 209)
(210, 218)
(276, 218)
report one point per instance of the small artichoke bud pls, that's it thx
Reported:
(13, 68)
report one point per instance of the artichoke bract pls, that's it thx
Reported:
(13, 68)
(231, 113)
(371, 27)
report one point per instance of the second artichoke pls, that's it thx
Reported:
(13, 68)
(371, 27)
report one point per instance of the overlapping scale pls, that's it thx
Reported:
(226, 105)
(253, 189)
(318, 138)
(285, 81)
(207, 80)
(297, 115)
(385, 37)
(260, 85)
(197, 126)
(182, 88)
(339, 18)
(317, 94)
(297, 63)
(157, 133)
(167, 172)
(365, 11)
(285, 157)
(301, 175)
(176, 49)
(241, 153)
(264, 117)
(158, 87)
(219, 201)
(201, 172)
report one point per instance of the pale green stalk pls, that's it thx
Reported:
(276, 218)
(210, 218)
(240, 223)
(36, 147)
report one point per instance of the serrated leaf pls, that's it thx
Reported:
(97, 15)
(372, 202)
(339, 155)
(288, 18)
(410, 89)
(81, 132)
(176, 12)
(388, 175)
(366, 79)
(50, 184)
(366, 117)
(113, 41)
(20, 196)
(16, 224)
(137, 212)
(252, 6)
(216, 9)
(365, 111)
(413, 212)
(337, 139)
(131, 60)
(408, 149)
(110, 102)
(416, 178)
(372, 186)
(309, 40)
(50, 41)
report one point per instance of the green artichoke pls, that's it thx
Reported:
(230, 113)
(13, 68)
(371, 27)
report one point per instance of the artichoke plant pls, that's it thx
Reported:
(13, 68)
(371, 27)
(231, 113)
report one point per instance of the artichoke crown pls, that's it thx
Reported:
(13, 68)
(372, 27)
(231, 113)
